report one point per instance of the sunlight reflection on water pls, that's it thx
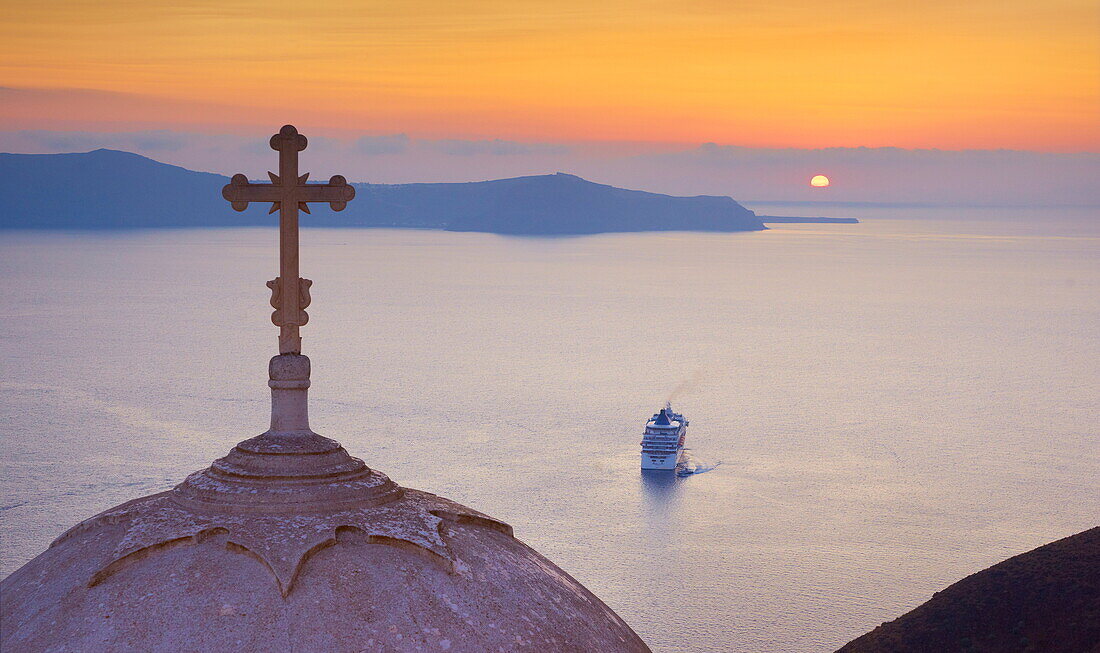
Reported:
(897, 403)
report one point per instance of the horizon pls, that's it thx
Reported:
(929, 177)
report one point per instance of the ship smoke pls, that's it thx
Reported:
(687, 385)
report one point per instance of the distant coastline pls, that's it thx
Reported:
(109, 189)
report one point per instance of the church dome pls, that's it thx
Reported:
(288, 543)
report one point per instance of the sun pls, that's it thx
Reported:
(819, 181)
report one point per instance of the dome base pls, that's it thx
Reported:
(419, 572)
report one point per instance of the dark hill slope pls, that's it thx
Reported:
(1044, 600)
(550, 204)
(106, 189)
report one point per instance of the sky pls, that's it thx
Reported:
(423, 90)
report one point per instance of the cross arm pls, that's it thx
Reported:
(240, 192)
(337, 192)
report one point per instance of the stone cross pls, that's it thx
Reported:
(287, 193)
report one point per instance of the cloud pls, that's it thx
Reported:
(494, 147)
(391, 144)
(400, 143)
(156, 140)
(886, 174)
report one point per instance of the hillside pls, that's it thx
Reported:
(549, 204)
(1045, 600)
(107, 189)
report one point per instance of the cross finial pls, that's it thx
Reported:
(288, 193)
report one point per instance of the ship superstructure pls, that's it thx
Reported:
(663, 439)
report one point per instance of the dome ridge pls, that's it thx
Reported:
(413, 522)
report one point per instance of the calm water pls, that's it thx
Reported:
(894, 404)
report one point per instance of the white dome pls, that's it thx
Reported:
(290, 544)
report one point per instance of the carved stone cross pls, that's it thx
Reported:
(287, 193)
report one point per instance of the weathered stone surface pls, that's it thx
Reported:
(417, 572)
(289, 543)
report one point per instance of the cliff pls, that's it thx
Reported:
(1045, 600)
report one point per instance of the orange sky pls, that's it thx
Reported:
(935, 73)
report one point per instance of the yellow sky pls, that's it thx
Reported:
(934, 73)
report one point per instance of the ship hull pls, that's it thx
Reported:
(663, 461)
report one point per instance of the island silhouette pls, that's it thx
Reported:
(96, 190)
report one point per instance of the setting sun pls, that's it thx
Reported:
(819, 181)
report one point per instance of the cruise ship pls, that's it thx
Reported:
(663, 439)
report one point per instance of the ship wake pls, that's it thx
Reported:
(690, 465)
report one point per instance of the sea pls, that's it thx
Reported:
(877, 409)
